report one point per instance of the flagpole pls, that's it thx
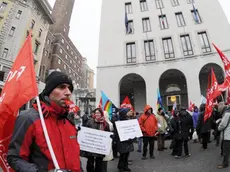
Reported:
(46, 134)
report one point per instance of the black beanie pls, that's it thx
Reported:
(55, 79)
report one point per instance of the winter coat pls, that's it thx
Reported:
(224, 126)
(148, 123)
(181, 125)
(195, 117)
(203, 127)
(162, 123)
(125, 146)
(28, 150)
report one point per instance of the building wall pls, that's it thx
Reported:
(112, 64)
(91, 79)
(30, 11)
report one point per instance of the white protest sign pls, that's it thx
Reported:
(95, 141)
(128, 129)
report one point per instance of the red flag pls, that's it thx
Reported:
(19, 88)
(191, 106)
(214, 87)
(212, 93)
(228, 98)
(226, 62)
(127, 104)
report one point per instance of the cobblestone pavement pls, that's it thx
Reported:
(200, 161)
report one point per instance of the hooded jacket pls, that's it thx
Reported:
(28, 150)
(148, 122)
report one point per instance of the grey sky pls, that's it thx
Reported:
(85, 24)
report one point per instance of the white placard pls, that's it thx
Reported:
(95, 141)
(128, 129)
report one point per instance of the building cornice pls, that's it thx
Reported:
(46, 7)
(163, 61)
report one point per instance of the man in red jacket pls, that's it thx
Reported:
(28, 150)
(148, 125)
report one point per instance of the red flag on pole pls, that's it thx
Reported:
(191, 106)
(19, 88)
(226, 62)
(127, 104)
(212, 93)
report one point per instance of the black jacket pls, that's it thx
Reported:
(203, 127)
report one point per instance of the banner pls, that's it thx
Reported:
(19, 88)
(128, 129)
(95, 141)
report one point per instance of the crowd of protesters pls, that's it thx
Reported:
(28, 150)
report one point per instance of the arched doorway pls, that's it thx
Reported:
(205, 72)
(173, 87)
(133, 86)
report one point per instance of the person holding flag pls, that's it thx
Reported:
(28, 149)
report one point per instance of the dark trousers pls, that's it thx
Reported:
(205, 139)
(94, 164)
(146, 141)
(226, 152)
(179, 145)
(161, 141)
(104, 166)
(114, 147)
(123, 161)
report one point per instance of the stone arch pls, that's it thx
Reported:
(133, 85)
(204, 73)
(173, 87)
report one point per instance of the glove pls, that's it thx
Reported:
(62, 170)
(78, 128)
(112, 136)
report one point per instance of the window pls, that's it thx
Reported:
(3, 6)
(196, 16)
(149, 50)
(66, 56)
(143, 5)
(48, 41)
(5, 52)
(75, 66)
(64, 66)
(59, 61)
(130, 28)
(159, 4)
(72, 52)
(168, 48)
(64, 30)
(180, 19)
(40, 33)
(36, 47)
(175, 2)
(131, 52)
(163, 22)
(60, 50)
(186, 45)
(146, 25)
(70, 61)
(19, 14)
(205, 45)
(12, 30)
(128, 8)
(32, 24)
(46, 53)
(62, 40)
(67, 47)
(24, 1)
(69, 70)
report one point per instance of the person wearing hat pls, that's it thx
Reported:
(124, 147)
(28, 150)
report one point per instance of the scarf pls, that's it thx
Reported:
(101, 121)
